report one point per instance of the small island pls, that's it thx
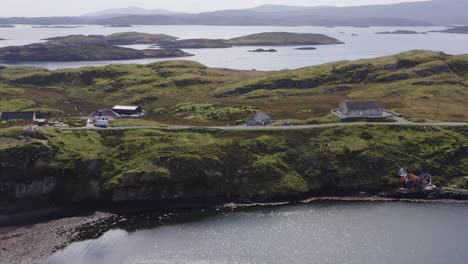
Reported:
(306, 48)
(7, 26)
(400, 32)
(56, 26)
(119, 26)
(455, 30)
(91, 48)
(263, 50)
(260, 39)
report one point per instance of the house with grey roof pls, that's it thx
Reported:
(106, 114)
(362, 109)
(258, 119)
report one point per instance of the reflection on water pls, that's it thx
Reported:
(365, 45)
(315, 233)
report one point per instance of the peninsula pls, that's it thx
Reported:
(455, 30)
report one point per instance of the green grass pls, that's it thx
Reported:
(127, 122)
(15, 105)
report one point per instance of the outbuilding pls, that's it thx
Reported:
(361, 109)
(19, 116)
(128, 111)
(258, 119)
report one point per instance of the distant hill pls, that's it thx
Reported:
(456, 30)
(283, 8)
(132, 10)
(424, 13)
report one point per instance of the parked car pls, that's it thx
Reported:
(102, 123)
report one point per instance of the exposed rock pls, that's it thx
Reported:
(424, 83)
(34, 190)
(392, 77)
(432, 71)
(389, 67)
(34, 134)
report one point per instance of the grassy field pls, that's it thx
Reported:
(422, 85)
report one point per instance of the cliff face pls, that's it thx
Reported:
(153, 165)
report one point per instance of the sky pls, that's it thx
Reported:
(11, 8)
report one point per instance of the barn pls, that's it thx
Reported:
(19, 116)
(361, 109)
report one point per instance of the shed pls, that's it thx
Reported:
(104, 114)
(19, 116)
(258, 119)
(361, 109)
(124, 110)
(41, 122)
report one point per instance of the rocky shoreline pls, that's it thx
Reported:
(35, 243)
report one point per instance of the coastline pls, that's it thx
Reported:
(36, 241)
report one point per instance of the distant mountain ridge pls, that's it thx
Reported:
(424, 13)
(131, 10)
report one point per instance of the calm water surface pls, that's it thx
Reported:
(365, 45)
(332, 232)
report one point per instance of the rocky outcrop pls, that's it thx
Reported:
(24, 159)
(281, 83)
(36, 189)
(434, 70)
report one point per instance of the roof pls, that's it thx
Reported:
(105, 112)
(125, 107)
(259, 116)
(353, 106)
(18, 115)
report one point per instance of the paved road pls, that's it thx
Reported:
(400, 122)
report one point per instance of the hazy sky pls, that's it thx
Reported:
(10, 8)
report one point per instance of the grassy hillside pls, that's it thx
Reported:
(161, 165)
(419, 84)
